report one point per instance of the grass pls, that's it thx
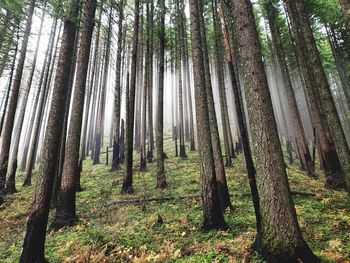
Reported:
(109, 231)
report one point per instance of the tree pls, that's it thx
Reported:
(127, 182)
(161, 180)
(280, 239)
(117, 91)
(33, 246)
(65, 213)
(212, 214)
(301, 142)
(10, 181)
(326, 120)
(6, 133)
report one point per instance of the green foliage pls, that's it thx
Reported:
(121, 232)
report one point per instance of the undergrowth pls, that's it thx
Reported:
(169, 229)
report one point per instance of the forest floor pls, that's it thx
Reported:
(112, 230)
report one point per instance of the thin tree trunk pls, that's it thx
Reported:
(127, 182)
(6, 133)
(11, 177)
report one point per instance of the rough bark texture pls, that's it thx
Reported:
(212, 214)
(280, 239)
(161, 180)
(33, 246)
(66, 212)
(6, 132)
(217, 153)
(127, 182)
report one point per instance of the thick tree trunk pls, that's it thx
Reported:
(280, 237)
(6, 133)
(33, 246)
(223, 192)
(66, 212)
(127, 182)
(242, 127)
(212, 213)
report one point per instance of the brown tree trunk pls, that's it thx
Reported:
(280, 237)
(222, 188)
(212, 212)
(127, 182)
(66, 212)
(33, 246)
(11, 177)
(161, 179)
(117, 92)
(6, 132)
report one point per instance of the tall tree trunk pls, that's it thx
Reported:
(223, 192)
(212, 213)
(150, 145)
(221, 84)
(33, 246)
(302, 145)
(66, 212)
(6, 133)
(280, 237)
(242, 127)
(11, 177)
(161, 179)
(8, 89)
(334, 150)
(117, 91)
(44, 87)
(127, 182)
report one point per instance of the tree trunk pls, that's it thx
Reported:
(302, 145)
(66, 212)
(117, 92)
(127, 182)
(161, 179)
(223, 192)
(6, 133)
(43, 91)
(280, 237)
(333, 147)
(11, 177)
(212, 213)
(33, 246)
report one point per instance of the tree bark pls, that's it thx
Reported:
(212, 213)
(280, 237)
(66, 212)
(33, 246)
(127, 182)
